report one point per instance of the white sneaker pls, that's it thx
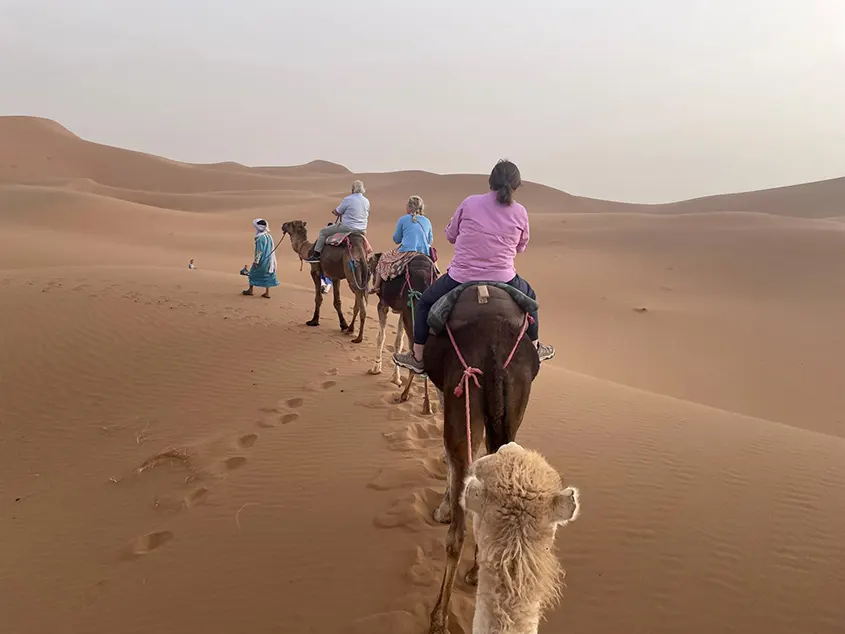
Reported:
(545, 352)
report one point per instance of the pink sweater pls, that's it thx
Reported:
(487, 236)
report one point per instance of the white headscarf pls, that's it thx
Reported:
(260, 226)
(261, 229)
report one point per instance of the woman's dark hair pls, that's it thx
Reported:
(505, 180)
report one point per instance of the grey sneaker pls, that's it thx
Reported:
(545, 352)
(408, 361)
(313, 257)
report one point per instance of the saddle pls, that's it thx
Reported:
(473, 301)
(342, 237)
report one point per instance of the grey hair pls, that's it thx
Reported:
(415, 206)
(358, 187)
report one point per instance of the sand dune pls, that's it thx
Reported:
(176, 457)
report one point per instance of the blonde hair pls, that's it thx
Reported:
(415, 207)
(358, 187)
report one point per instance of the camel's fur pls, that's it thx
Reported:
(393, 297)
(496, 411)
(334, 264)
(516, 501)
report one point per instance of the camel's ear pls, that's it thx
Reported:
(566, 506)
(304, 223)
(472, 498)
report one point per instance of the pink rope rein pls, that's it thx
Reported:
(528, 320)
(462, 389)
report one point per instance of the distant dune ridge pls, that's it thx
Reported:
(177, 457)
(35, 149)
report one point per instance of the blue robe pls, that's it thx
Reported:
(264, 273)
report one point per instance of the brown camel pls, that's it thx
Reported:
(487, 325)
(336, 263)
(399, 296)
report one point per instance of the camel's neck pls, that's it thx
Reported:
(300, 245)
(485, 621)
(502, 608)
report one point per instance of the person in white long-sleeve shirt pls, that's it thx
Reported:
(354, 213)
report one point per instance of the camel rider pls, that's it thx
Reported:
(413, 235)
(353, 213)
(488, 230)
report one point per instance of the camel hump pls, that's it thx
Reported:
(474, 301)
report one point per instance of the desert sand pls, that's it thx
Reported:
(175, 457)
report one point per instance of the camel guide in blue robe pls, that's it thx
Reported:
(263, 270)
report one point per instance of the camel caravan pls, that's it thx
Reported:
(473, 332)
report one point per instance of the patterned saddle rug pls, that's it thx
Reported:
(342, 238)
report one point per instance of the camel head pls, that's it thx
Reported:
(295, 229)
(517, 501)
(515, 478)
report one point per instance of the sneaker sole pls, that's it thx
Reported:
(409, 367)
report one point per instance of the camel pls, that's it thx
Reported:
(517, 502)
(487, 322)
(398, 296)
(337, 263)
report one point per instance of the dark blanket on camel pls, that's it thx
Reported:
(503, 300)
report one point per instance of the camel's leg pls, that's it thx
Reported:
(318, 299)
(351, 328)
(398, 345)
(404, 325)
(383, 312)
(443, 513)
(471, 577)
(337, 305)
(454, 546)
(427, 411)
(361, 301)
(406, 393)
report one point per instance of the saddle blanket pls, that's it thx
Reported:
(337, 240)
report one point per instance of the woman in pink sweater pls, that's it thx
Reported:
(488, 230)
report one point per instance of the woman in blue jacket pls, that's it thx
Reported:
(413, 235)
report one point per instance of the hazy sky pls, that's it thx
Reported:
(642, 100)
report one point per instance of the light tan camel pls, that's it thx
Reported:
(516, 501)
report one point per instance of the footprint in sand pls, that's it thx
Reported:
(147, 543)
(332, 372)
(409, 474)
(247, 440)
(435, 467)
(195, 497)
(235, 462)
(289, 418)
(400, 415)
(328, 384)
(295, 402)
(416, 437)
(399, 622)
(411, 512)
